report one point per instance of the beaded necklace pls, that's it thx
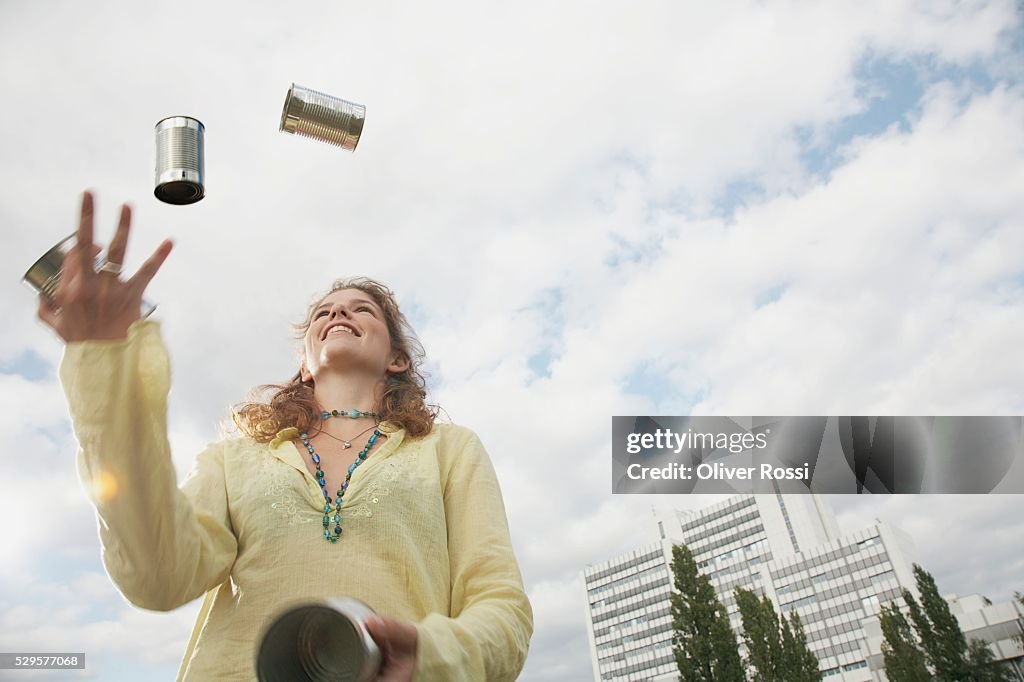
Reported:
(360, 458)
(354, 414)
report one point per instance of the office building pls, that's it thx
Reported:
(785, 547)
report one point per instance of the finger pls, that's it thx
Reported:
(70, 274)
(404, 637)
(397, 640)
(377, 628)
(396, 635)
(142, 278)
(379, 631)
(83, 237)
(119, 244)
(72, 262)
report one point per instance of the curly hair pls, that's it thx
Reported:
(292, 404)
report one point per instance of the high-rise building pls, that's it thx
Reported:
(785, 547)
(629, 624)
(834, 586)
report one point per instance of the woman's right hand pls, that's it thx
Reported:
(99, 306)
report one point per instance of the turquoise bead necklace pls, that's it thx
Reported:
(354, 414)
(360, 458)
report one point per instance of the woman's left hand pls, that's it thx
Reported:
(397, 640)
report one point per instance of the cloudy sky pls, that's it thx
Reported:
(588, 209)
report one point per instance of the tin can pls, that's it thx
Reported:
(319, 642)
(44, 275)
(322, 117)
(180, 175)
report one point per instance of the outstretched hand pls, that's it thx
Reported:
(397, 640)
(99, 306)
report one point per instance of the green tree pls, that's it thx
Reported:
(1019, 598)
(982, 664)
(762, 635)
(799, 664)
(703, 643)
(946, 650)
(922, 626)
(945, 644)
(904, 660)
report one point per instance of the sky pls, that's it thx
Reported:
(586, 209)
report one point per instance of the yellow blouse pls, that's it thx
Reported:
(425, 534)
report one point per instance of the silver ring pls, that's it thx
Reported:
(111, 267)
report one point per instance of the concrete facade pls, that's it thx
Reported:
(786, 547)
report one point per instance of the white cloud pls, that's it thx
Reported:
(86, 615)
(511, 151)
(557, 605)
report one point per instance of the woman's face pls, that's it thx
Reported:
(348, 333)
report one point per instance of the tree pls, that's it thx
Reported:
(1019, 598)
(799, 664)
(923, 626)
(703, 643)
(946, 650)
(982, 664)
(761, 634)
(944, 641)
(777, 648)
(904, 660)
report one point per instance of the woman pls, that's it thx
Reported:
(342, 486)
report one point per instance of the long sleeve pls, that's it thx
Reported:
(163, 546)
(488, 633)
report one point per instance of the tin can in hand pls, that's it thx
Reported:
(44, 275)
(319, 642)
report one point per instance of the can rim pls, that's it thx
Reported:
(166, 192)
(284, 109)
(347, 609)
(187, 119)
(46, 256)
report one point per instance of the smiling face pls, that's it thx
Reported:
(348, 332)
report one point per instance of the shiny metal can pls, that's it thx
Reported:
(44, 275)
(323, 641)
(180, 172)
(322, 117)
